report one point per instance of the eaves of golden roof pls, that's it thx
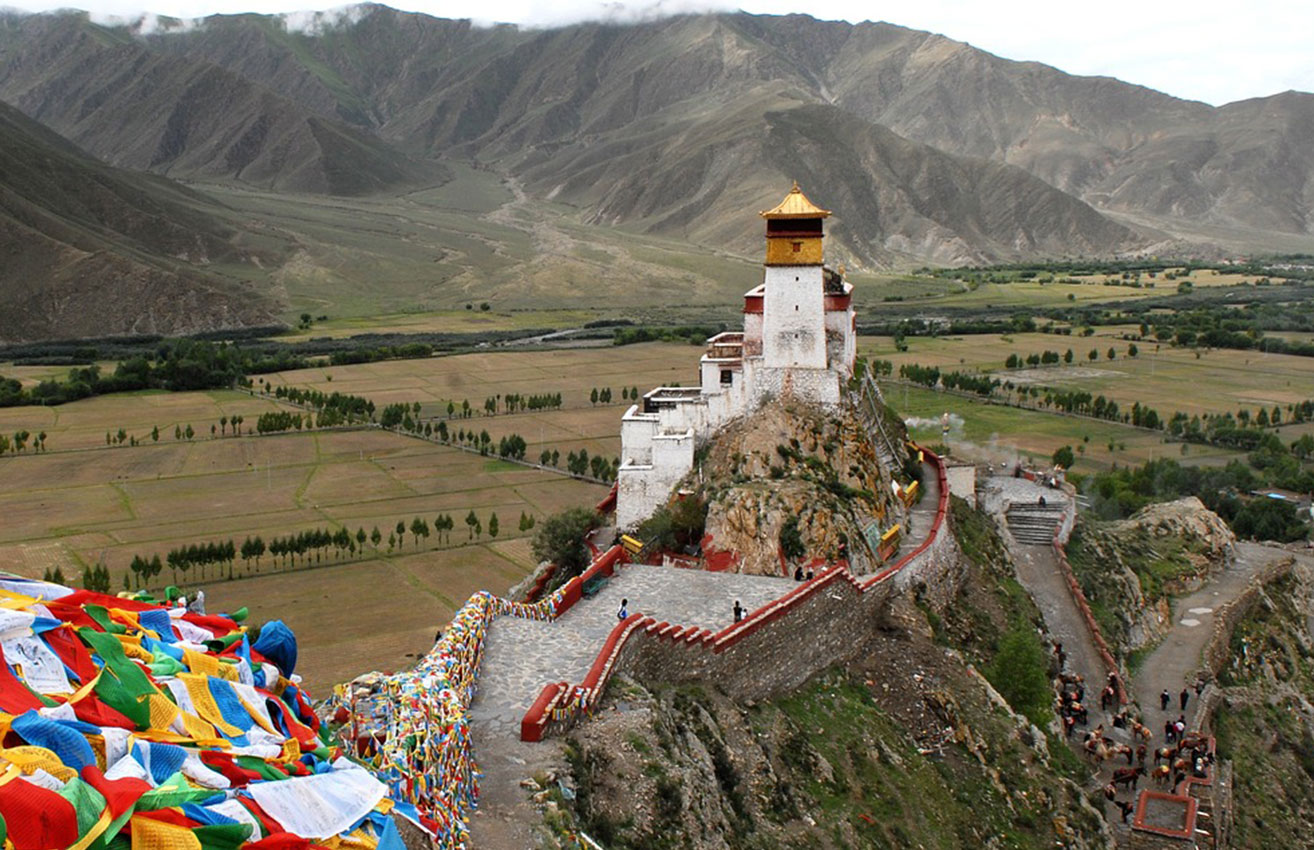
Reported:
(795, 205)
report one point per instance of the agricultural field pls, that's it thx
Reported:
(82, 503)
(573, 372)
(461, 321)
(378, 614)
(69, 509)
(1161, 376)
(83, 424)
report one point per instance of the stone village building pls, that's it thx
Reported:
(799, 340)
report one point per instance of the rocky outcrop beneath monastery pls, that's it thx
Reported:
(792, 467)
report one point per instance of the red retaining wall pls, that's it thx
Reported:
(1083, 605)
(559, 704)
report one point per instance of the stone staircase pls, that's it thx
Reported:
(869, 404)
(1034, 524)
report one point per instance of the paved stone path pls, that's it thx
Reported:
(922, 513)
(521, 656)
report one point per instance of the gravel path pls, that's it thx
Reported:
(1174, 662)
(1038, 570)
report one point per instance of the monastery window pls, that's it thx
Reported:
(727, 376)
(798, 246)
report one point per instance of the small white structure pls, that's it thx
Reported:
(799, 339)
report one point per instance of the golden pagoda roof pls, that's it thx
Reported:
(795, 205)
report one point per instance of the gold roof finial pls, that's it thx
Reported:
(795, 205)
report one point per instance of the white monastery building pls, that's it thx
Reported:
(799, 340)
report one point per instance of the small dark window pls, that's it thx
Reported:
(798, 246)
(795, 308)
(727, 376)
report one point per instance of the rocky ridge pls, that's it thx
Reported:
(1265, 719)
(91, 250)
(673, 125)
(1129, 569)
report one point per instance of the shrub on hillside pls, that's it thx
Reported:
(1019, 673)
(560, 540)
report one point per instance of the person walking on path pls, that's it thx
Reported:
(1184, 696)
(739, 611)
(1164, 699)
(624, 610)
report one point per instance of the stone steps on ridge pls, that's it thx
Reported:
(1035, 524)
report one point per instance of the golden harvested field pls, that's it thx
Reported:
(573, 372)
(69, 509)
(82, 502)
(1158, 283)
(83, 424)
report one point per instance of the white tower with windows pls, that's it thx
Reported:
(799, 340)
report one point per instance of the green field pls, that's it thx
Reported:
(1001, 434)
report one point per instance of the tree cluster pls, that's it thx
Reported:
(331, 408)
(18, 443)
(560, 541)
(1119, 493)
(276, 421)
(931, 376)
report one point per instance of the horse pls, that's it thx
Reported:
(1122, 750)
(1128, 776)
(1165, 754)
(1096, 749)
(1161, 774)
(1140, 730)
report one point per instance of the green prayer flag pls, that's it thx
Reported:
(227, 836)
(88, 803)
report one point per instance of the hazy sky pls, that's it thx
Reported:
(1203, 50)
